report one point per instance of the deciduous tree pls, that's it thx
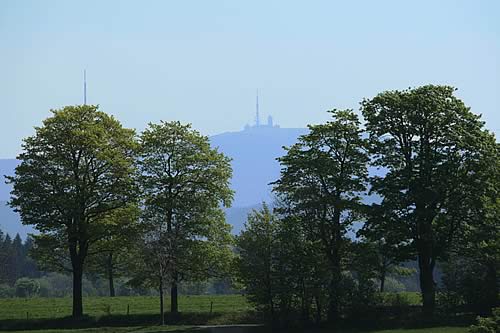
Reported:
(75, 171)
(321, 178)
(433, 148)
(185, 184)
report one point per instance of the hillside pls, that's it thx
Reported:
(253, 152)
(7, 167)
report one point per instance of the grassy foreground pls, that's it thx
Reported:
(187, 329)
(140, 314)
(53, 308)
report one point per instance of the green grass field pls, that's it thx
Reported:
(51, 308)
(187, 329)
(109, 315)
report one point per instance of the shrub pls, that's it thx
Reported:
(466, 282)
(488, 324)
(395, 299)
(6, 291)
(394, 285)
(27, 287)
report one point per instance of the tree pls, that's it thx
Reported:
(257, 247)
(17, 256)
(321, 178)
(471, 271)
(3, 258)
(281, 269)
(9, 261)
(432, 148)
(30, 268)
(302, 273)
(75, 170)
(184, 183)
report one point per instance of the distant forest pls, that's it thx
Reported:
(21, 277)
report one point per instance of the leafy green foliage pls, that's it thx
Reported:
(110, 258)
(75, 170)
(184, 182)
(434, 150)
(488, 324)
(282, 272)
(321, 178)
(14, 260)
(27, 287)
(257, 257)
(467, 285)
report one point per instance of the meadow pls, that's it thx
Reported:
(53, 308)
(237, 329)
(140, 314)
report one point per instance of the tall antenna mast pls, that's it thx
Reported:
(84, 87)
(257, 118)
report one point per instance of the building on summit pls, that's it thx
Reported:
(258, 124)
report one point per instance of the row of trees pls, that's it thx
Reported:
(84, 181)
(435, 186)
(149, 206)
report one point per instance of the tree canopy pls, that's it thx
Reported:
(75, 170)
(322, 178)
(433, 149)
(185, 183)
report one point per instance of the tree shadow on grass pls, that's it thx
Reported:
(135, 321)
(219, 329)
(359, 321)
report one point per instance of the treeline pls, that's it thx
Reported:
(20, 277)
(148, 208)
(14, 260)
(436, 199)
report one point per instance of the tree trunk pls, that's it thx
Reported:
(427, 286)
(77, 291)
(492, 283)
(162, 311)
(382, 280)
(318, 310)
(336, 270)
(110, 276)
(305, 303)
(334, 291)
(426, 260)
(274, 320)
(174, 305)
(77, 255)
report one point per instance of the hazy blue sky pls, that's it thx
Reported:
(201, 61)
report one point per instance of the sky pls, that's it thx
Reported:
(202, 61)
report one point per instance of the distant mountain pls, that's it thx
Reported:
(7, 167)
(10, 223)
(237, 216)
(253, 151)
